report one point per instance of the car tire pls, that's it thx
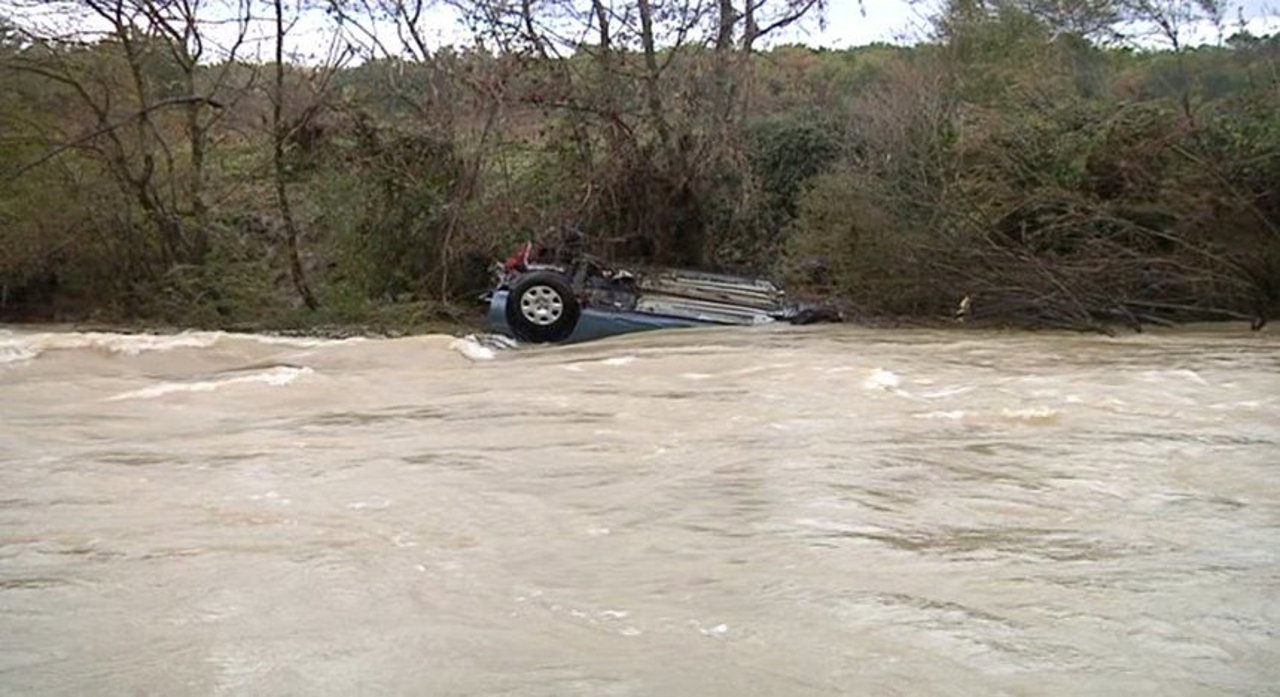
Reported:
(541, 308)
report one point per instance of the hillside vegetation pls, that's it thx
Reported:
(1027, 156)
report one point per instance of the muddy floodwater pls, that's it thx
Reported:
(771, 511)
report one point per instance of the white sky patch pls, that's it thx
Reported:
(312, 33)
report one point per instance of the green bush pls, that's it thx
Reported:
(387, 207)
(845, 242)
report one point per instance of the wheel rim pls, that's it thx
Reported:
(542, 305)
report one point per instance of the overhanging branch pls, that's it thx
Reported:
(162, 104)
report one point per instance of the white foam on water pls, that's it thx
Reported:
(1183, 373)
(619, 360)
(881, 379)
(942, 415)
(274, 377)
(15, 352)
(127, 344)
(715, 632)
(17, 348)
(20, 348)
(1031, 414)
(696, 376)
(403, 540)
(947, 392)
(472, 349)
(297, 341)
(272, 496)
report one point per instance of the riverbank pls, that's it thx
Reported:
(457, 320)
(343, 317)
(388, 321)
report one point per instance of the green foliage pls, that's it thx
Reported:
(847, 243)
(234, 286)
(786, 151)
(1013, 159)
(1072, 210)
(387, 206)
(748, 206)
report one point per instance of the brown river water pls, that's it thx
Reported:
(770, 511)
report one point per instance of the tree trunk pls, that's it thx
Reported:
(653, 96)
(282, 195)
(199, 208)
(728, 18)
(608, 72)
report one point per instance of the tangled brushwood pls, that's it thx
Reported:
(1025, 163)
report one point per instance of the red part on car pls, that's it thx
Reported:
(520, 260)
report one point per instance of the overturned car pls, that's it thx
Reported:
(543, 297)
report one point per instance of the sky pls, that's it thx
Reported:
(848, 23)
(897, 21)
(852, 23)
(845, 23)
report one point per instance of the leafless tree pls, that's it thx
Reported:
(319, 80)
(128, 107)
